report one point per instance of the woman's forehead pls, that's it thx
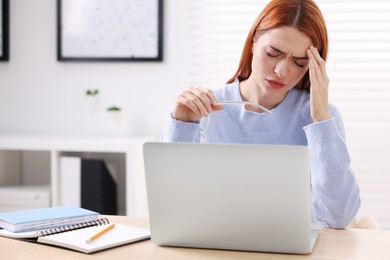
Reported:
(286, 39)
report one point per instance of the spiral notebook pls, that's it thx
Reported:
(74, 236)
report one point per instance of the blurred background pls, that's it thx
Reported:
(202, 42)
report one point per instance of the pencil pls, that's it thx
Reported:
(101, 233)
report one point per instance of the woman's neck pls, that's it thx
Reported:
(251, 92)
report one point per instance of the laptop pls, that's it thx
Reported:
(230, 196)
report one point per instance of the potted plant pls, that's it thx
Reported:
(92, 92)
(115, 118)
(93, 101)
(113, 109)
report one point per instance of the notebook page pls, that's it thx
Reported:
(28, 234)
(76, 239)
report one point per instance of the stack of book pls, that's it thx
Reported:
(45, 218)
(52, 225)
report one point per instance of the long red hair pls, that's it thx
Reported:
(301, 14)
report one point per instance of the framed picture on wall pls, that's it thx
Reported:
(4, 30)
(109, 30)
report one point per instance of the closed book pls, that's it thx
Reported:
(70, 181)
(45, 218)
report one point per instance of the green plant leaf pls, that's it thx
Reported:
(113, 108)
(92, 92)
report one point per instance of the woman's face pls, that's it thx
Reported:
(279, 60)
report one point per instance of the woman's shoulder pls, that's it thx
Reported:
(229, 91)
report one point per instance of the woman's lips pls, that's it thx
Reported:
(275, 84)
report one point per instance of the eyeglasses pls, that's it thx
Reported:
(204, 122)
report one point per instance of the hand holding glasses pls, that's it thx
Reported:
(204, 123)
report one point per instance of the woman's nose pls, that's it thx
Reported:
(281, 68)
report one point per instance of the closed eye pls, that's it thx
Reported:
(300, 62)
(272, 54)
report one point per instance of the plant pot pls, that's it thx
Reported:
(93, 104)
(115, 121)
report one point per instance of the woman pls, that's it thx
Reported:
(282, 68)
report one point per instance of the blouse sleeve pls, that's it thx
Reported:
(335, 192)
(179, 131)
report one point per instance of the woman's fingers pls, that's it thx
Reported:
(319, 86)
(204, 99)
(313, 67)
(194, 103)
(318, 63)
(188, 100)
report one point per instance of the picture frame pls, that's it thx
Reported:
(115, 30)
(4, 30)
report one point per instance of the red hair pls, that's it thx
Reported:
(304, 15)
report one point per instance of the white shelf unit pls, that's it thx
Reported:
(126, 153)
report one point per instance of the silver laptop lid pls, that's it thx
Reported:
(229, 196)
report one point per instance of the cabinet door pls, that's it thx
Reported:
(10, 168)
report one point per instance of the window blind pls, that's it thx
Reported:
(358, 67)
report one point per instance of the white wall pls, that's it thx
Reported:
(39, 94)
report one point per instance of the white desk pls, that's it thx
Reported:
(349, 244)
